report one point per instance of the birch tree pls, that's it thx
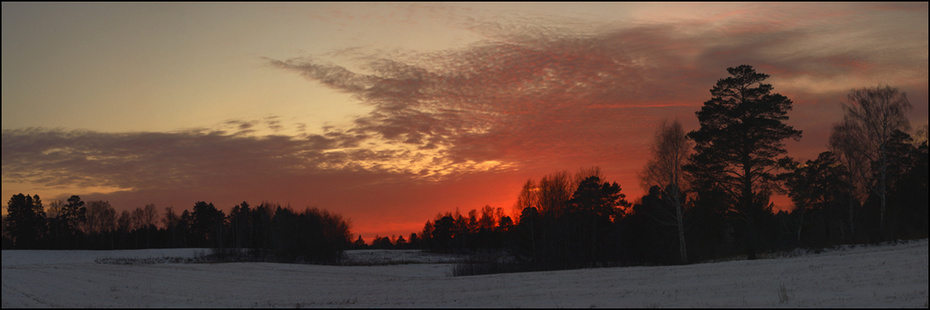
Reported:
(873, 115)
(670, 149)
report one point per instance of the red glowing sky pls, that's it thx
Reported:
(391, 113)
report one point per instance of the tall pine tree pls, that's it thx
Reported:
(741, 134)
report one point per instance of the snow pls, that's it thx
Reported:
(860, 276)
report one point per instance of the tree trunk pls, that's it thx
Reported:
(852, 221)
(749, 209)
(682, 249)
(750, 238)
(801, 224)
(882, 190)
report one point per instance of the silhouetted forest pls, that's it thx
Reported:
(709, 192)
(708, 197)
(268, 232)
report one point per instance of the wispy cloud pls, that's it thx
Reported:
(544, 93)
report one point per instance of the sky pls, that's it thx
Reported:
(390, 113)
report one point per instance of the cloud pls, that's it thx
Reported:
(554, 88)
(149, 159)
(373, 186)
(544, 93)
(208, 160)
(537, 95)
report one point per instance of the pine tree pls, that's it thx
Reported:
(741, 134)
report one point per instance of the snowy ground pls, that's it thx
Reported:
(863, 276)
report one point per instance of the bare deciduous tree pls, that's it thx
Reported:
(149, 215)
(670, 149)
(876, 113)
(100, 217)
(585, 173)
(54, 208)
(124, 222)
(551, 194)
(554, 191)
(846, 143)
(138, 219)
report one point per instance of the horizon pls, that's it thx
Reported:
(391, 113)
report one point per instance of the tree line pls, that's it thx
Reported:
(266, 232)
(709, 190)
(708, 197)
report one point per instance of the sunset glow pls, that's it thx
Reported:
(390, 113)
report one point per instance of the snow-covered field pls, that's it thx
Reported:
(863, 276)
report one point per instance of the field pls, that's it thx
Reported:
(860, 276)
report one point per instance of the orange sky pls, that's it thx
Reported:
(391, 113)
